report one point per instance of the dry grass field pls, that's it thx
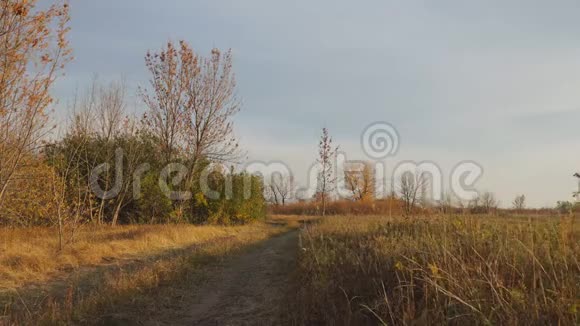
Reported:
(446, 270)
(186, 184)
(340, 270)
(108, 270)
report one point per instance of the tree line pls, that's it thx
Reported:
(109, 165)
(409, 194)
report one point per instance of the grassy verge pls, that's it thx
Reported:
(450, 270)
(109, 271)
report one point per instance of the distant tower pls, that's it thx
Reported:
(577, 193)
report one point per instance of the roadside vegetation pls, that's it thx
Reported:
(172, 162)
(109, 271)
(445, 270)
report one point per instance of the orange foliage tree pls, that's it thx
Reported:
(33, 50)
(191, 103)
(361, 181)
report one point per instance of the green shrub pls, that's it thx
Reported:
(153, 206)
(240, 199)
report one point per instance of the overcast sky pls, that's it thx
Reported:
(496, 82)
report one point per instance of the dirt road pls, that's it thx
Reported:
(248, 289)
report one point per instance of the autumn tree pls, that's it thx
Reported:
(30, 198)
(360, 180)
(326, 174)
(33, 51)
(191, 102)
(166, 98)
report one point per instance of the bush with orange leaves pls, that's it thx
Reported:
(34, 195)
(33, 50)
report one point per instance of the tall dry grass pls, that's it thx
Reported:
(392, 206)
(450, 270)
(109, 270)
(32, 255)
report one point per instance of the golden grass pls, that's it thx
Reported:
(32, 255)
(447, 270)
(105, 268)
(292, 220)
(341, 207)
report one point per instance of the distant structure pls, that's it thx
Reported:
(577, 193)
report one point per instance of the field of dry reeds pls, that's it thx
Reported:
(455, 270)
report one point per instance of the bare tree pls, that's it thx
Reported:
(326, 175)
(519, 203)
(463, 206)
(110, 109)
(425, 199)
(271, 195)
(33, 49)
(100, 112)
(446, 203)
(576, 194)
(82, 115)
(411, 187)
(488, 202)
(282, 188)
(67, 211)
(133, 155)
(361, 181)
